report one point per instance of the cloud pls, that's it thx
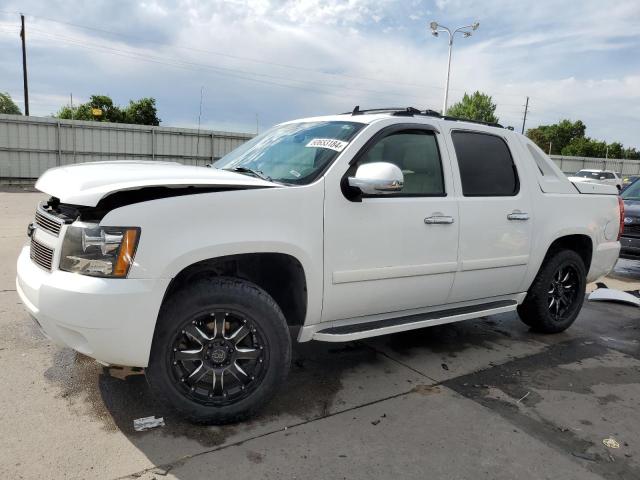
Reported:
(286, 59)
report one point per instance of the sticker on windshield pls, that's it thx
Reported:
(331, 143)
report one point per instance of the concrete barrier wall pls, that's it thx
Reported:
(31, 145)
(573, 164)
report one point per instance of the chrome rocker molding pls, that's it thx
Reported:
(355, 329)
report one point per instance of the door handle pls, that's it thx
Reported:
(438, 220)
(518, 215)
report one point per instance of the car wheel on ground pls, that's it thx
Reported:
(555, 298)
(220, 350)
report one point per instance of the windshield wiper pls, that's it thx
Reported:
(255, 173)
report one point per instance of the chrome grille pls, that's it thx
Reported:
(41, 254)
(631, 230)
(47, 221)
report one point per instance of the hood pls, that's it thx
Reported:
(631, 208)
(88, 183)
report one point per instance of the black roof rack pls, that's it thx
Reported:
(411, 111)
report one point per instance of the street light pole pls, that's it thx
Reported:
(446, 88)
(435, 29)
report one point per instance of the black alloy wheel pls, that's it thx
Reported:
(220, 351)
(219, 358)
(555, 297)
(563, 292)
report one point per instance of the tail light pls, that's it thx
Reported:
(621, 208)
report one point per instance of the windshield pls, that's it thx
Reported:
(632, 192)
(293, 153)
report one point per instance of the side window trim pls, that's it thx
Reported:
(384, 133)
(513, 163)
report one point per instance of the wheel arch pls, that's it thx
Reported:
(581, 243)
(281, 275)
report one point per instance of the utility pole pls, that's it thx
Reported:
(199, 117)
(524, 120)
(23, 35)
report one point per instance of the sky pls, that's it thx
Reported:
(261, 62)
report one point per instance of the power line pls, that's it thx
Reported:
(178, 63)
(255, 60)
(235, 57)
(220, 70)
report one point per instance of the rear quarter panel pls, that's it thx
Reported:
(557, 215)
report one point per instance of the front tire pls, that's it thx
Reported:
(556, 296)
(220, 351)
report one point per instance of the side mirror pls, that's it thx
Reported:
(378, 178)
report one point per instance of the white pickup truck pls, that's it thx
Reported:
(344, 227)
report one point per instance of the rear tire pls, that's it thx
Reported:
(556, 296)
(220, 351)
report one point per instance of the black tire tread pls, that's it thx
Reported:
(253, 295)
(534, 311)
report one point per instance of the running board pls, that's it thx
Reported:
(355, 331)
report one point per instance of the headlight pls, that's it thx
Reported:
(99, 251)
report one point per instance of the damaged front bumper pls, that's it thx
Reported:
(111, 320)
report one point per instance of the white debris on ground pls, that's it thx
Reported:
(612, 295)
(146, 423)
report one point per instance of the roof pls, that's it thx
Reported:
(374, 115)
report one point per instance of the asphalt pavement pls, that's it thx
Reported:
(481, 399)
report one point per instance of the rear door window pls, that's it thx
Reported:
(486, 165)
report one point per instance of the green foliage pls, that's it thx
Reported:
(631, 153)
(558, 135)
(141, 112)
(7, 105)
(478, 106)
(568, 138)
(585, 147)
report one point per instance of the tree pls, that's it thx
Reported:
(631, 153)
(478, 106)
(7, 105)
(567, 138)
(581, 147)
(141, 112)
(558, 135)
